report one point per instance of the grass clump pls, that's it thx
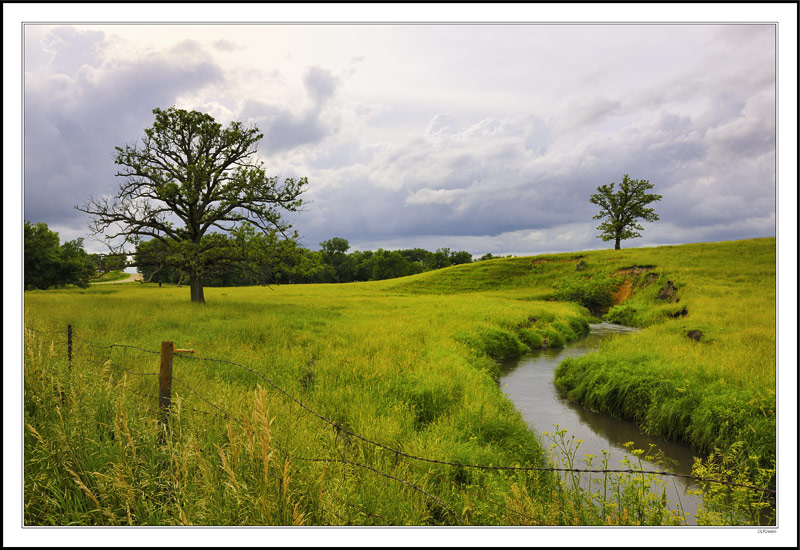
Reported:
(579, 324)
(552, 338)
(496, 343)
(532, 337)
(566, 331)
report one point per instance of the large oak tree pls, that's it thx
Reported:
(188, 180)
(623, 209)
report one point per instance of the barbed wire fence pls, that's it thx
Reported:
(105, 361)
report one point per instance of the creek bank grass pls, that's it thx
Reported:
(716, 393)
(709, 393)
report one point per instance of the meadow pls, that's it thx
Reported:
(376, 403)
(111, 276)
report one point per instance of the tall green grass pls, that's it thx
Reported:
(389, 368)
(409, 363)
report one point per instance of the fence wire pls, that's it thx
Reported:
(397, 452)
(280, 448)
(188, 387)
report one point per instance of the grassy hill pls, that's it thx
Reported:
(407, 363)
(709, 391)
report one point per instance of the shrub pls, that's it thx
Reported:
(593, 293)
(622, 315)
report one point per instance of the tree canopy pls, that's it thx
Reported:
(50, 264)
(622, 209)
(185, 183)
(335, 254)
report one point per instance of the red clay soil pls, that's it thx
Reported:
(622, 293)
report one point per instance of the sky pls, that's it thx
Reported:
(477, 137)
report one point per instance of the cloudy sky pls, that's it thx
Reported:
(478, 137)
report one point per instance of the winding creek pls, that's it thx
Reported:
(528, 382)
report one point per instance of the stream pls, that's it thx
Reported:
(528, 382)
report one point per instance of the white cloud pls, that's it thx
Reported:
(434, 196)
(442, 124)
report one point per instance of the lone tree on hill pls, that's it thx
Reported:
(623, 208)
(189, 175)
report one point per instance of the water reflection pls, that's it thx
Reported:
(528, 382)
(618, 432)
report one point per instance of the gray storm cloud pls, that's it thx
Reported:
(76, 112)
(495, 155)
(285, 127)
(487, 180)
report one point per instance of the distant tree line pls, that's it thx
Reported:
(258, 258)
(264, 258)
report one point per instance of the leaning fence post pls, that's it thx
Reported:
(69, 346)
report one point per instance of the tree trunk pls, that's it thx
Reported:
(196, 285)
(616, 244)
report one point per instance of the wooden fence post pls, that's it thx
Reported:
(69, 346)
(165, 382)
(165, 379)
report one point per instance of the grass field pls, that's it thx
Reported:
(111, 276)
(407, 363)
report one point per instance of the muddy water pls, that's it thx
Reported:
(528, 382)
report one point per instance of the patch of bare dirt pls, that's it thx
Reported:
(667, 293)
(622, 293)
(630, 273)
(633, 270)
